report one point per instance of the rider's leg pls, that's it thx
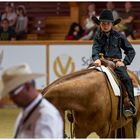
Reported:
(124, 77)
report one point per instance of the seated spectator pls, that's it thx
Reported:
(75, 32)
(90, 13)
(110, 6)
(127, 20)
(6, 32)
(22, 23)
(89, 26)
(10, 14)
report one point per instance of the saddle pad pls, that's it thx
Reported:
(113, 83)
(136, 91)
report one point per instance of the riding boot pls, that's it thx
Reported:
(130, 91)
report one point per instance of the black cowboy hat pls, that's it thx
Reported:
(106, 16)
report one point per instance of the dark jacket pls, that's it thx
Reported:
(112, 49)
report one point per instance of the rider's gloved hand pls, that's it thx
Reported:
(97, 62)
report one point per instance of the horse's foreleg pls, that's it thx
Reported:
(126, 132)
(120, 133)
(130, 129)
(134, 126)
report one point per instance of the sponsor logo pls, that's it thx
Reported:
(86, 61)
(63, 65)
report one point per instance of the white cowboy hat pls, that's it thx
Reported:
(16, 76)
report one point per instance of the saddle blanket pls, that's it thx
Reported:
(113, 83)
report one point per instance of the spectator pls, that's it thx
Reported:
(91, 11)
(6, 32)
(110, 6)
(22, 23)
(89, 26)
(127, 20)
(75, 32)
(38, 118)
(10, 14)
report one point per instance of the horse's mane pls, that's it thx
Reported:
(68, 77)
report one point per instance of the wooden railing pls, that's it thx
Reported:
(48, 42)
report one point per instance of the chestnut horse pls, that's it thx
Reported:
(90, 97)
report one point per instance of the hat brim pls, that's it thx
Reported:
(97, 21)
(102, 20)
(117, 21)
(9, 86)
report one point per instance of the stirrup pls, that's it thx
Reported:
(131, 112)
(127, 113)
(134, 108)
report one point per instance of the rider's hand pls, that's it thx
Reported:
(120, 64)
(97, 62)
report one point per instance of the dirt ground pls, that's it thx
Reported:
(7, 120)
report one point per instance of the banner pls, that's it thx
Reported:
(62, 59)
(34, 55)
(65, 59)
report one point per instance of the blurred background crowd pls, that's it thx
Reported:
(63, 20)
